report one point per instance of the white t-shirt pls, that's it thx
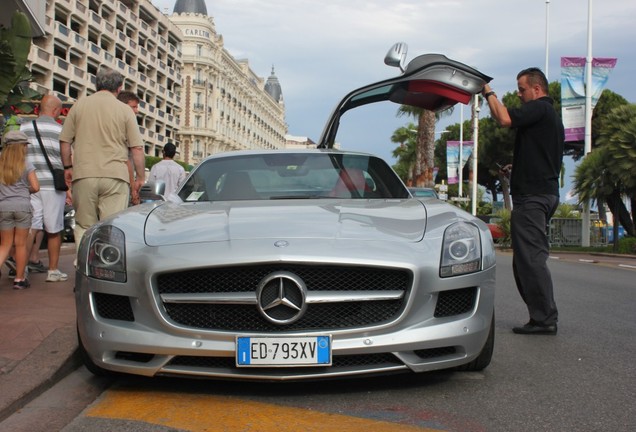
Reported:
(170, 172)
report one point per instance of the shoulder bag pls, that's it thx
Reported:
(58, 173)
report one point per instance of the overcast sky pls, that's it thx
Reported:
(322, 49)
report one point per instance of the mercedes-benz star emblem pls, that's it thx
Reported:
(281, 297)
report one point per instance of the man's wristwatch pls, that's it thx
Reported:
(68, 167)
(490, 93)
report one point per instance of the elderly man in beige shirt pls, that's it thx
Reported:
(101, 130)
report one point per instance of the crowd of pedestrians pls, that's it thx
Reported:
(97, 155)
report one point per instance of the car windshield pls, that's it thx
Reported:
(298, 175)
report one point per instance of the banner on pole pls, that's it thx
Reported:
(452, 159)
(573, 91)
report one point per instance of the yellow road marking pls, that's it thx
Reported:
(213, 413)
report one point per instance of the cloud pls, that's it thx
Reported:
(323, 49)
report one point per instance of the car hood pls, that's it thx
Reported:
(378, 220)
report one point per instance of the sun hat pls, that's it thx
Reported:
(14, 137)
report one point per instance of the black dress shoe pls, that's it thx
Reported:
(532, 328)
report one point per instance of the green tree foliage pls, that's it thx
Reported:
(606, 103)
(424, 149)
(607, 173)
(405, 153)
(424, 155)
(603, 177)
(566, 211)
(504, 217)
(618, 135)
(15, 43)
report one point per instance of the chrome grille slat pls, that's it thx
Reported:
(312, 297)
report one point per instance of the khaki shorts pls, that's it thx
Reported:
(14, 219)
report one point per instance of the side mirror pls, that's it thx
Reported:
(396, 57)
(152, 191)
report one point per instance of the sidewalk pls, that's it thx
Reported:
(37, 334)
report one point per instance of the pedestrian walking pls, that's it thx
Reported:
(132, 100)
(534, 186)
(98, 131)
(48, 203)
(168, 170)
(17, 181)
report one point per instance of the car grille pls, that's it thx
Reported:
(245, 279)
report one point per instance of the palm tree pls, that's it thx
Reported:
(15, 43)
(424, 163)
(405, 153)
(606, 174)
(617, 137)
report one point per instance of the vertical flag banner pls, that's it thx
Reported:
(452, 159)
(573, 91)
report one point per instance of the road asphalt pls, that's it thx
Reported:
(38, 342)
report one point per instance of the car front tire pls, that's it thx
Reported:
(483, 359)
(90, 365)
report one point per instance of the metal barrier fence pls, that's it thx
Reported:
(568, 232)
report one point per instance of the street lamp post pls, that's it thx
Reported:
(547, 35)
(585, 223)
(461, 148)
(475, 152)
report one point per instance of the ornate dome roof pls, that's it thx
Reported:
(273, 88)
(190, 6)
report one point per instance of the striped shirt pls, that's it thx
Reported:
(49, 132)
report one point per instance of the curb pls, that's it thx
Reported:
(56, 357)
(613, 255)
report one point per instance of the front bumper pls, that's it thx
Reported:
(150, 345)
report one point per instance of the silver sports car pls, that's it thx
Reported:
(294, 264)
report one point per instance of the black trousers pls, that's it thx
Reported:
(530, 246)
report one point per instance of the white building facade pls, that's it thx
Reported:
(130, 36)
(226, 106)
(192, 91)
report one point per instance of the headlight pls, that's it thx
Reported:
(107, 254)
(461, 250)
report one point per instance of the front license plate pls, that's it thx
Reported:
(283, 351)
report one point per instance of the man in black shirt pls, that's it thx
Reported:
(534, 186)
